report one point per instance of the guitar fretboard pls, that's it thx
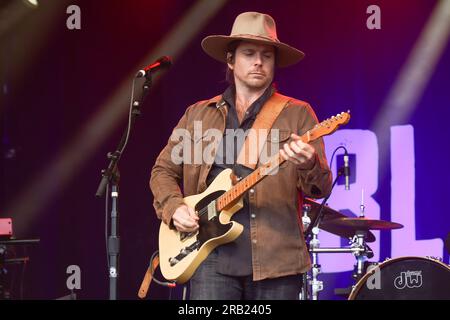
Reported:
(235, 193)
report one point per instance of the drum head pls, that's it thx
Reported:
(405, 278)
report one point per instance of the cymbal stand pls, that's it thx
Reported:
(359, 242)
(361, 255)
(306, 221)
(316, 285)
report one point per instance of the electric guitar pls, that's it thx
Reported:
(180, 252)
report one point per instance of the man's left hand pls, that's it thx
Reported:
(300, 153)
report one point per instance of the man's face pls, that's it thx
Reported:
(253, 65)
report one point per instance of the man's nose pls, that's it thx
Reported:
(258, 59)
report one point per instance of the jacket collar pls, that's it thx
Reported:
(217, 102)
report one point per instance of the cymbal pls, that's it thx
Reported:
(329, 216)
(328, 212)
(363, 223)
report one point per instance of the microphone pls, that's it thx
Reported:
(346, 171)
(162, 63)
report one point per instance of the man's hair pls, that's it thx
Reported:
(231, 53)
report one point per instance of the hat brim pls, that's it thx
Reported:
(216, 46)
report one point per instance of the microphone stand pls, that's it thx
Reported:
(110, 177)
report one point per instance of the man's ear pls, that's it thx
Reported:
(230, 60)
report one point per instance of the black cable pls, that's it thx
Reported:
(318, 217)
(332, 156)
(170, 284)
(130, 112)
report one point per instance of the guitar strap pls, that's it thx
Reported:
(257, 136)
(148, 277)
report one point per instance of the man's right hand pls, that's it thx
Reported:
(185, 219)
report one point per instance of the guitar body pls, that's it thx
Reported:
(180, 253)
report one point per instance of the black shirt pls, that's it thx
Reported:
(235, 258)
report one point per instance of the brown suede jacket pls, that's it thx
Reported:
(278, 245)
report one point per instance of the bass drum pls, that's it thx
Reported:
(405, 278)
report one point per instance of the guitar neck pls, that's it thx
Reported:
(321, 129)
(236, 192)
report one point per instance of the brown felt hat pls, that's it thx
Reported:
(253, 27)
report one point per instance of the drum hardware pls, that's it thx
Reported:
(362, 207)
(361, 227)
(327, 222)
(358, 248)
(319, 216)
(306, 220)
(356, 229)
(434, 258)
(361, 256)
(316, 285)
(358, 240)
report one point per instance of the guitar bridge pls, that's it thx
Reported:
(183, 253)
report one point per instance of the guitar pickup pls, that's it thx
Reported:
(212, 213)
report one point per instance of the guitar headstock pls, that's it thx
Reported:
(330, 125)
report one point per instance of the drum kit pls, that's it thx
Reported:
(399, 278)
